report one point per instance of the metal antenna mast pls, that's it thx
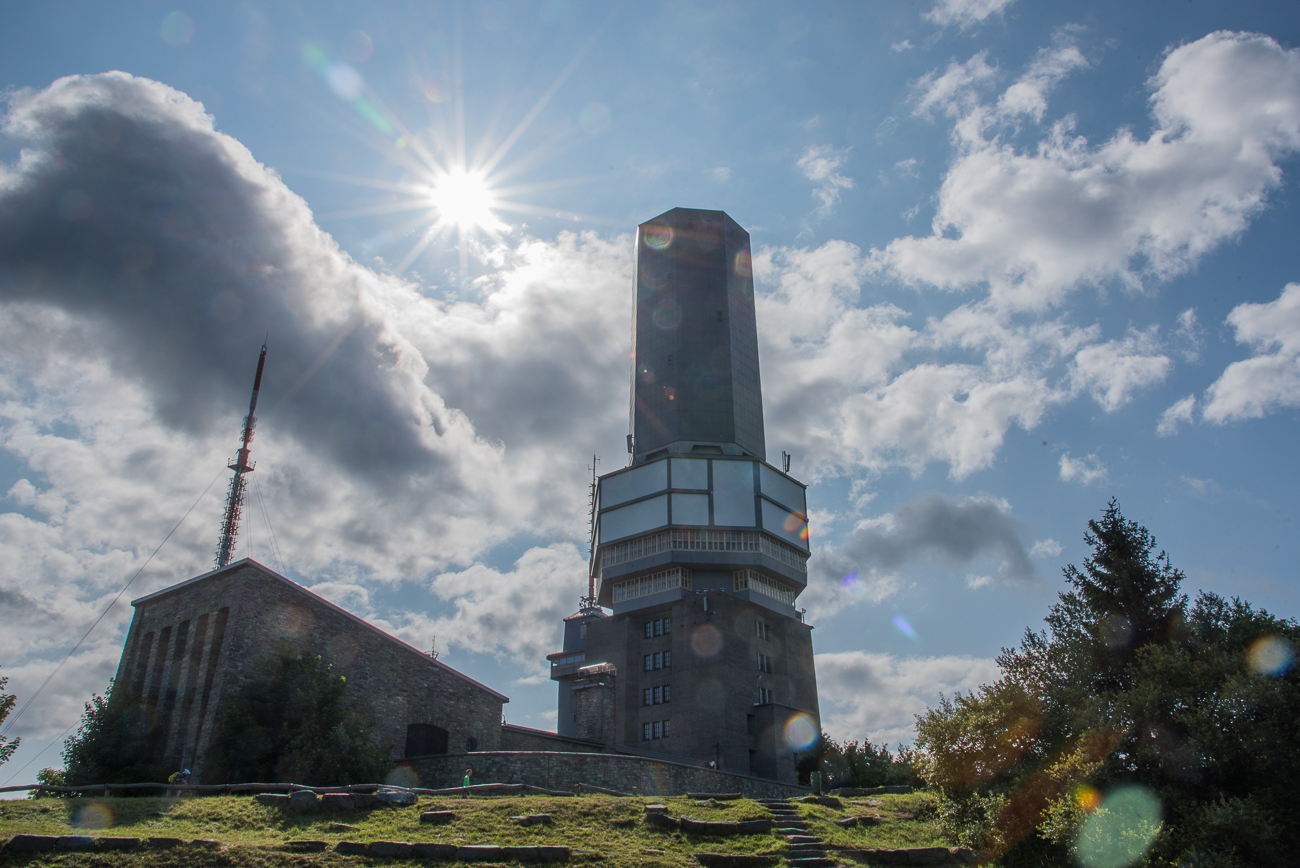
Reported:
(235, 498)
(589, 601)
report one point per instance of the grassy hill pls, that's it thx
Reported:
(610, 831)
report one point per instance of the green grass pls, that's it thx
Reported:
(908, 821)
(614, 829)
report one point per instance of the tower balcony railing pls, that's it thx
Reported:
(682, 539)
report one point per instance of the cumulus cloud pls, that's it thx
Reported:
(964, 13)
(1178, 413)
(877, 696)
(1046, 548)
(1270, 379)
(955, 530)
(515, 613)
(143, 256)
(1085, 471)
(820, 164)
(1028, 95)
(1033, 224)
(1111, 372)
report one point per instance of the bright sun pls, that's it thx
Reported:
(464, 200)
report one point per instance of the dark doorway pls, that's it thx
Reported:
(425, 738)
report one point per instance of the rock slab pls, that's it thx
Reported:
(306, 846)
(32, 843)
(435, 851)
(75, 842)
(392, 849)
(338, 802)
(350, 848)
(304, 802)
(438, 817)
(478, 853)
(117, 843)
(272, 800)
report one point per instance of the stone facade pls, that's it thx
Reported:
(620, 772)
(193, 642)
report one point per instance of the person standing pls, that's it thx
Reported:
(469, 773)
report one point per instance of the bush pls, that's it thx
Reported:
(291, 723)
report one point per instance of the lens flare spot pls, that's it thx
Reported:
(1121, 830)
(358, 47)
(658, 237)
(903, 627)
(744, 266)
(797, 524)
(177, 28)
(344, 80)
(1087, 798)
(1271, 656)
(801, 733)
(93, 817)
(667, 315)
(402, 777)
(850, 580)
(670, 392)
(706, 642)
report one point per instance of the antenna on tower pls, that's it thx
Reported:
(589, 601)
(240, 464)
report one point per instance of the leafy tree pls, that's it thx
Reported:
(114, 743)
(51, 778)
(854, 764)
(290, 722)
(1128, 690)
(7, 702)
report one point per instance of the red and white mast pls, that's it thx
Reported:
(241, 465)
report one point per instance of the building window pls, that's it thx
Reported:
(765, 696)
(649, 662)
(760, 629)
(668, 693)
(659, 729)
(425, 738)
(646, 697)
(659, 696)
(764, 663)
(658, 627)
(665, 580)
(645, 732)
(704, 540)
(668, 728)
(658, 660)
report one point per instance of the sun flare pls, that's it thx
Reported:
(465, 200)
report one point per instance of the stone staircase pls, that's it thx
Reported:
(805, 850)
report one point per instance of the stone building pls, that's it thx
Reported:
(192, 643)
(700, 546)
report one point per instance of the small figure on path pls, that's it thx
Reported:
(468, 774)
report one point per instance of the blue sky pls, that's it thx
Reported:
(1012, 259)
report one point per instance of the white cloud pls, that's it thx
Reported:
(1085, 471)
(1028, 95)
(877, 696)
(820, 164)
(517, 614)
(720, 174)
(1178, 413)
(957, 531)
(905, 45)
(1046, 548)
(1033, 224)
(964, 13)
(1270, 379)
(1205, 489)
(975, 582)
(1113, 371)
(1189, 332)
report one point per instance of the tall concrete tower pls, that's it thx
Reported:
(700, 547)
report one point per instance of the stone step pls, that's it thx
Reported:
(803, 839)
(812, 862)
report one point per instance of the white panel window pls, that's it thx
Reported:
(733, 493)
(631, 484)
(634, 518)
(691, 509)
(782, 490)
(788, 525)
(690, 473)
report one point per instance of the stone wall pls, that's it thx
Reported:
(192, 643)
(561, 771)
(514, 737)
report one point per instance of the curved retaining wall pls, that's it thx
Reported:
(561, 771)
